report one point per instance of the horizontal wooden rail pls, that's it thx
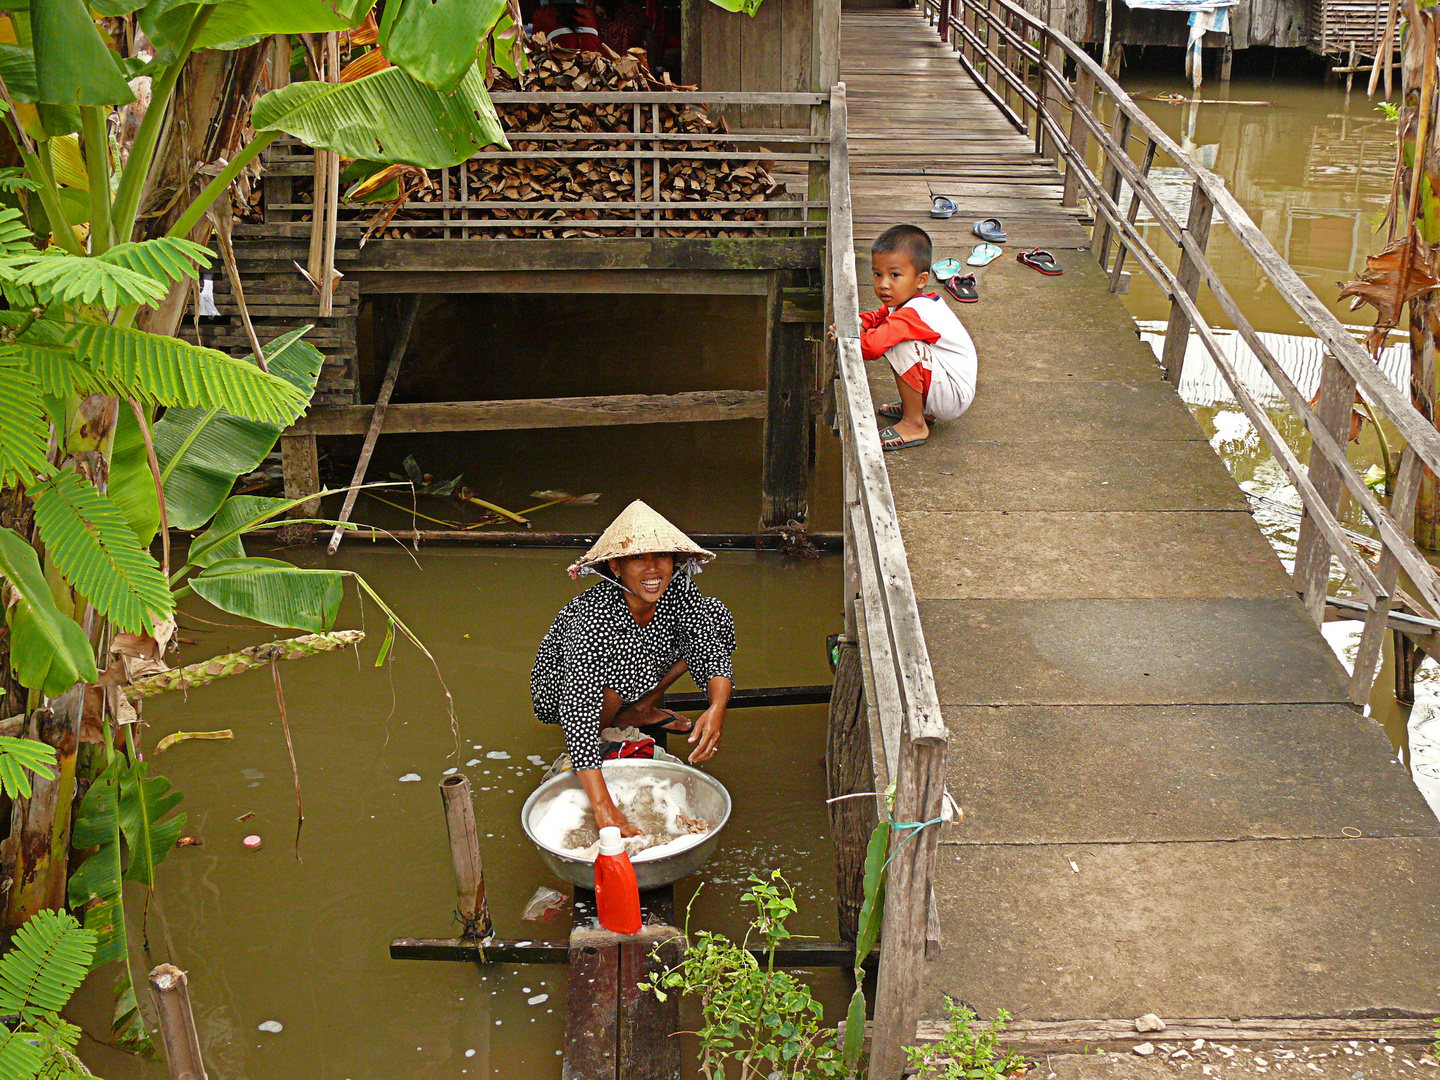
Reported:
(526, 413)
(651, 97)
(1034, 55)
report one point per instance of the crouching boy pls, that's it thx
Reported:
(929, 351)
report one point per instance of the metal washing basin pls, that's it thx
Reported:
(708, 799)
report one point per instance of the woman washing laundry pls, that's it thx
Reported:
(615, 649)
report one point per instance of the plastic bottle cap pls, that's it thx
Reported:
(610, 842)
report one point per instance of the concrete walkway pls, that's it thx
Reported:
(1169, 806)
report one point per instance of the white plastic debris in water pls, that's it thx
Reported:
(410, 778)
(472, 763)
(659, 808)
(498, 755)
(538, 999)
(451, 771)
(535, 759)
(272, 1026)
(470, 1053)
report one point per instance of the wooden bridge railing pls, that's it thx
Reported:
(881, 615)
(1019, 62)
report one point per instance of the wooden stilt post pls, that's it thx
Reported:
(300, 462)
(1227, 59)
(465, 855)
(849, 771)
(1177, 333)
(1408, 658)
(789, 370)
(613, 1029)
(171, 994)
(406, 322)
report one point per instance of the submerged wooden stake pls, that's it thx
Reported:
(169, 991)
(465, 854)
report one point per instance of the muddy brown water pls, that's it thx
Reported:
(299, 939)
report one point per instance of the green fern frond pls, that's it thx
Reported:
(48, 960)
(166, 371)
(17, 756)
(24, 430)
(54, 367)
(169, 258)
(14, 179)
(88, 540)
(15, 235)
(80, 279)
(20, 1057)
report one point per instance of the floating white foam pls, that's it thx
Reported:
(410, 778)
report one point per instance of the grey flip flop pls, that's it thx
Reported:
(990, 229)
(942, 206)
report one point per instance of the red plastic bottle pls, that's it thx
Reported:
(617, 895)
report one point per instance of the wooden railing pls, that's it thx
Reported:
(1019, 61)
(881, 615)
(659, 175)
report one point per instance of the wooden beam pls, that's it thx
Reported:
(825, 541)
(849, 771)
(405, 323)
(528, 413)
(1056, 1033)
(795, 954)
(644, 282)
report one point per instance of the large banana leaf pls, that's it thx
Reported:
(273, 592)
(72, 64)
(88, 540)
(48, 652)
(167, 371)
(388, 116)
(202, 451)
(132, 487)
(233, 22)
(224, 539)
(437, 41)
(144, 801)
(96, 888)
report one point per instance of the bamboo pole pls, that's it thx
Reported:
(465, 854)
(332, 189)
(168, 989)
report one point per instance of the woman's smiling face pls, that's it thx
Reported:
(646, 576)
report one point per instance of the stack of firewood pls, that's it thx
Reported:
(662, 184)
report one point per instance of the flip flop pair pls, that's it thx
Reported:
(990, 229)
(889, 440)
(1040, 260)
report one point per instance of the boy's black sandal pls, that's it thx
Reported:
(963, 289)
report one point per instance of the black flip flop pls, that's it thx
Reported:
(1041, 260)
(895, 411)
(963, 289)
(898, 443)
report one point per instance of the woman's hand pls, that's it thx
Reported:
(611, 815)
(707, 733)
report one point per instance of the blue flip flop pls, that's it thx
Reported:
(984, 254)
(942, 206)
(946, 269)
(990, 229)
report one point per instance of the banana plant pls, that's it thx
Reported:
(83, 377)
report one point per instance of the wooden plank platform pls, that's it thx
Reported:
(1169, 805)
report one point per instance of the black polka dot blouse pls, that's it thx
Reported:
(595, 642)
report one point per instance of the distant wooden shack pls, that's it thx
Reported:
(1281, 24)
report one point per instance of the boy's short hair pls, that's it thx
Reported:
(909, 240)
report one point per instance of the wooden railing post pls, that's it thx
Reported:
(1110, 184)
(1079, 135)
(1372, 639)
(1177, 334)
(1312, 553)
(1131, 215)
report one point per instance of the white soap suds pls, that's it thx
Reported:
(659, 808)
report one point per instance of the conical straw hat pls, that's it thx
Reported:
(639, 530)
